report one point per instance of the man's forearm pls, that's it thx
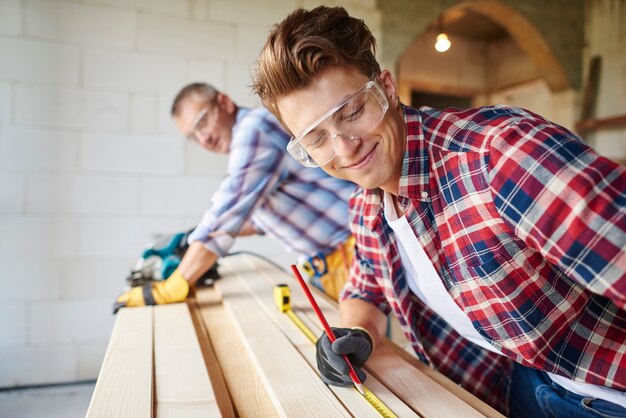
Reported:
(196, 261)
(358, 313)
(247, 229)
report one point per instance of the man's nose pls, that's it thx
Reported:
(345, 145)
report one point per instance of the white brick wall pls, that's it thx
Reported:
(31, 235)
(12, 324)
(116, 70)
(6, 96)
(77, 194)
(10, 17)
(251, 12)
(70, 108)
(121, 236)
(186, 38)
(29, 149)
(91, 277)
(67, 322)
(29, 278)
(144, 112)
(137, 153)
(92, 167)
(80, 24)
(27, 364)
(176, 196)
(12, 190)
(40, 62)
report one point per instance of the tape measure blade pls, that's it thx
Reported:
(370, 397)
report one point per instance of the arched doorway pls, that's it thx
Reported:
(497, 56)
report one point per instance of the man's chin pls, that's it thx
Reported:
(222, 148)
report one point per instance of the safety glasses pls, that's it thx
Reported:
(205, 118)
(353, 118)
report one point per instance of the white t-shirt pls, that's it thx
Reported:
(428, 286)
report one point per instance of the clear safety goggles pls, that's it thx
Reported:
(353, 118)
(207, 117)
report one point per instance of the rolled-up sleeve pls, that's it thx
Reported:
(362, 285)
(253, 173)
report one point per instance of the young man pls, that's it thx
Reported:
(265, 191)
(496, 237)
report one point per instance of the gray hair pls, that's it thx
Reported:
(203, 90)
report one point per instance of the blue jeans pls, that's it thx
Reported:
(535, 395)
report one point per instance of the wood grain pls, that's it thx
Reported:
(183, 387)
(124, 386)
(244, 385)
(401, 376)
(293, 385)
(224, 401)
(260, 280)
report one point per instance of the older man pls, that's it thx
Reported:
(266, 191)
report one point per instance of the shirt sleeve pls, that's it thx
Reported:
(362, 284)
(565, 201)
(254, 167)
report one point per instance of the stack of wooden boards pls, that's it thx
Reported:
(230, 352)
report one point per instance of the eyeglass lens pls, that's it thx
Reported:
(201, 123)
(356, 118)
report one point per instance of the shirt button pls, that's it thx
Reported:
(424, 195)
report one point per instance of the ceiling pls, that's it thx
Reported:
(472, 26)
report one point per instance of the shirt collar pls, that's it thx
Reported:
(415, 171)
(415, 163)
(241, 113)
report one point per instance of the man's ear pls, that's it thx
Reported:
(226, 104)
(389, 84)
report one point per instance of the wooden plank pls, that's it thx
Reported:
(437, 384)
(590, 125)
(257, 281)
(293, 386)
(124, 386)
(466, 396)
(415, 388)
(590, 93)
(385, 394)
(224, 401)
(402, 378)
(433, 399)
(395, 372)
(246, 389)
(183, 387)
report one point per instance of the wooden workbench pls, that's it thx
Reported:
(229, 352)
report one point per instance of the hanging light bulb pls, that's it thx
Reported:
(443, 43)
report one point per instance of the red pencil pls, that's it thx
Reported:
(329, 331)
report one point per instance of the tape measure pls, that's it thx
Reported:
(282, 299)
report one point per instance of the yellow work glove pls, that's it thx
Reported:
(174, 289)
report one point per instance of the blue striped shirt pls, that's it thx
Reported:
(303, 208)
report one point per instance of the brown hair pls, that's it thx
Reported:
(203, 91)
(307, 42)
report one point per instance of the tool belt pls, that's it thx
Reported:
(330, 271)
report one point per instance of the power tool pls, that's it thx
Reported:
(161, 257)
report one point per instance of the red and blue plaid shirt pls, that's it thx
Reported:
(526, 226)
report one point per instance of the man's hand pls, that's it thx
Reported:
(352, 342)
(174, 289)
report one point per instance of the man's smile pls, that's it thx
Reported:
(363, 160)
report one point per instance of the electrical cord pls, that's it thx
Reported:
(275, 264)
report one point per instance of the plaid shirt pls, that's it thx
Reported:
(303, 208)
(526, 226)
